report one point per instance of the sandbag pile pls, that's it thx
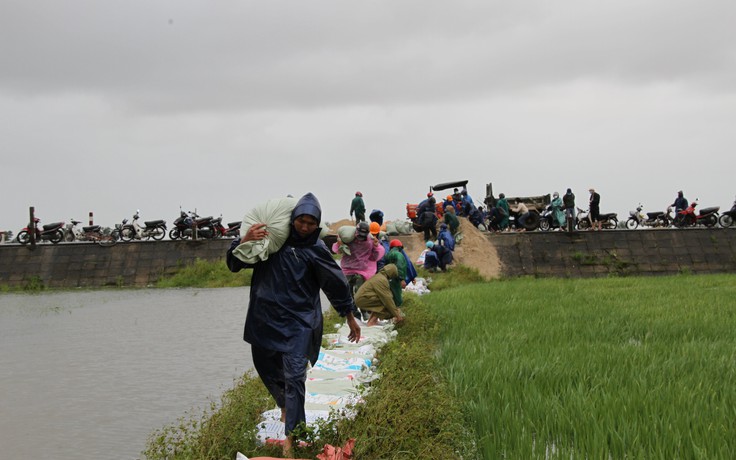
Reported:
(332, 384)
(399, 228)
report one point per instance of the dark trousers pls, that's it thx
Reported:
(284, 375)
(430, 229)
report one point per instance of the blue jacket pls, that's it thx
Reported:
(285, 313)
(445, 238)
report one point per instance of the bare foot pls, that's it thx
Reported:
(288, 450)
(372, 321)
(283, 414)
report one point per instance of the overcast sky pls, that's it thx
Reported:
(113, 106)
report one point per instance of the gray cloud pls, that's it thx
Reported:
(125, 105)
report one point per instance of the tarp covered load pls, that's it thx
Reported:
(276, 214)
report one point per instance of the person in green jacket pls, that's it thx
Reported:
(557, 209)
(503, 204)
(396, 257)
(451, 220)
(375, 296)
(358, 207)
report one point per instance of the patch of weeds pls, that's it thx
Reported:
(453, 277)
(584, 259)
(34, 284)
(220, 432)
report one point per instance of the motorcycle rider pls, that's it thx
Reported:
(557, 205)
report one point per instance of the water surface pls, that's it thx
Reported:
(90, 374)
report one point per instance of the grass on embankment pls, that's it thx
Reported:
(203, 274)
(409, 413)
(595, 368)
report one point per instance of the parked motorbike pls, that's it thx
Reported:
(218, 231)
(233, 229)
(93, 233)
(186, 223)
(49, 232)
(155, 229)
(727, 218)
(650, 219)
(585, 222)
(689, 218)
(547, 220)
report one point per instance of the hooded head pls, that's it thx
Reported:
(555, 195)
(569, 190)
(390, 270)
(430, 244)
(362, 230)
(306, 216)
(443, 226)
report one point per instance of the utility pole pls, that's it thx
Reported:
(32, 226)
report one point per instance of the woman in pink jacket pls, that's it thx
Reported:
(360, 264)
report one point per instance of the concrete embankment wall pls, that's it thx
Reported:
(617, 252)
(581, 254)
(90, 265)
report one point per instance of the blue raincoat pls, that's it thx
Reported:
(285, 312)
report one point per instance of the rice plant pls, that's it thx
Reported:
(595, 368)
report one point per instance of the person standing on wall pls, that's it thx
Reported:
(357, 206)
(568, 200)
(595, 209)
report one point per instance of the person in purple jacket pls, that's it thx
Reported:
(284, 319)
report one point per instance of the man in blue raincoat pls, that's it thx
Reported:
(284, 320)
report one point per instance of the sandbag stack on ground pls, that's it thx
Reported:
(333, 383)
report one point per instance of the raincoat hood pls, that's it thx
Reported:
(309, 205)
(390, 271)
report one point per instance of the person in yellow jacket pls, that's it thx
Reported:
(375, 296)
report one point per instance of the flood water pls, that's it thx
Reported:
(91, 374)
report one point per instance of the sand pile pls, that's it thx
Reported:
(336, 225)
(474, 251)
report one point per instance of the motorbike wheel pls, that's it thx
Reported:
(632, 223)
(544, 225)
(174, 234)
(57, 236)
(127, 234)
(159, 233)
(710, 221)
(612, 224)
(24, 237)
(69, 237)
(108, 240)
(583, 224)
(726, 220)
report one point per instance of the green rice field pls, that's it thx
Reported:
(594, 368)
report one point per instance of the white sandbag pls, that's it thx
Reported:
(346, 233)
(276, 214)
(405, 228)
(391, 229)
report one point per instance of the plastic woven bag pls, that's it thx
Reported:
(276, 214)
